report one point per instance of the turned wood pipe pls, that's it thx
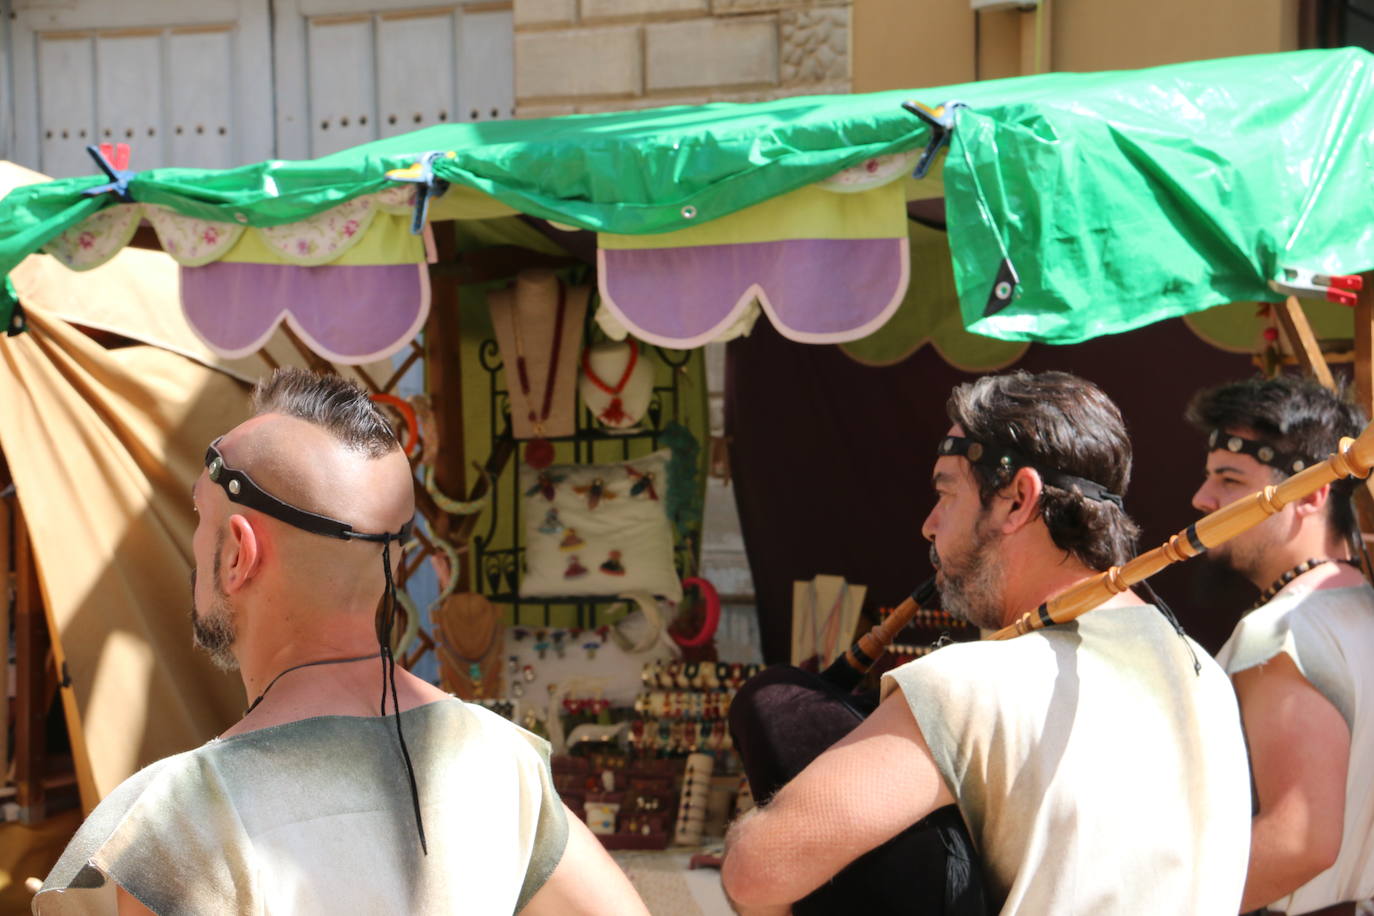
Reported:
(1354, 459)
(846, 670)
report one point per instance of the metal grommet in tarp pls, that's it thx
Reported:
(1003, 288)
(16, 322)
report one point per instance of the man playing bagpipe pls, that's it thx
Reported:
(1098, 764)
(1302, 657)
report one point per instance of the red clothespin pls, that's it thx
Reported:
(113, 159)
(1308, 284)
(116, 153)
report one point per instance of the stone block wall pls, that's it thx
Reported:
(608, 55)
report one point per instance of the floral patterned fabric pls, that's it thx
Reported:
(318, 240)
(98, 238)
(189, 241)
(322, 238)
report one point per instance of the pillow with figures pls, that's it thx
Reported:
(598, 529)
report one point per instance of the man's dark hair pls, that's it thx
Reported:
(329, 402)
(1294, 414)
(1061, 423)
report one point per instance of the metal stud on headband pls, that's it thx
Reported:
(1260, 450)
(1000, 456)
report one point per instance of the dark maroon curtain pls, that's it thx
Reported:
(831, 462)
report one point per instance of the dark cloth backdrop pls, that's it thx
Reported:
(831, 463)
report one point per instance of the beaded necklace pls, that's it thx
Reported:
(539, 453)
(1277, 585)
(614, 412)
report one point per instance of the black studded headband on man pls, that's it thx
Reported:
(242, 489)
(1002, 456)
(1261, 451)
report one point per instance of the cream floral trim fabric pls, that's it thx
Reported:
(871, 173)
(193, 242)
(98, 238)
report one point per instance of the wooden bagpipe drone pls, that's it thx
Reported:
(785, 717)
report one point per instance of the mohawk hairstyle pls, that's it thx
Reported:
(330, 402)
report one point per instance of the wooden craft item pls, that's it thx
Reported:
(469, 639)
(1354, 459)
(819, 617)
(696, 792)
(532, 302)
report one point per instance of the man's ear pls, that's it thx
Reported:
(1313, 503)
(244, 557)
(1022, 499)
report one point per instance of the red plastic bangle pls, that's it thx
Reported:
(408, 414)
(708, 629)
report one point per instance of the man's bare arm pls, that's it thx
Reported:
(1299, 750)
(585, 881)
(129, 905)
(872, 785)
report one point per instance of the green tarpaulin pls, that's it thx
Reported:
(1116, 199)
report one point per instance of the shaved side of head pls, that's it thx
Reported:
(318, 443)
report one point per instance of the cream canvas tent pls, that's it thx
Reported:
(102, 444)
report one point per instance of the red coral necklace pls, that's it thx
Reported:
(539, 453)
(615, 411)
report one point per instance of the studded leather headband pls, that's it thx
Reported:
(241, 489)
(1258, 449)
(1001, 456)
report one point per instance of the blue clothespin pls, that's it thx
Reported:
(941, 121)
(427, 184)
(118, 171)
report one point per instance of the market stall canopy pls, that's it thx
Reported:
(1077, 205)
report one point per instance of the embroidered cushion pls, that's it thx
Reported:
(598, 529)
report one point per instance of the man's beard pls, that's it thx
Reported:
(214, 630)
(973, 590)
(1247, 558)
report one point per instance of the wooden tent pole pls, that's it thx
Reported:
(31, 652)
(1364, 346)
(444, 382)
(1364, 398)
(7, 505)
(1302, 341)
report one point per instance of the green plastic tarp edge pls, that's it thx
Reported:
(1039, 167)
(1116, 215)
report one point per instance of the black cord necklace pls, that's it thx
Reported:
(1306, 565)
(326, 661)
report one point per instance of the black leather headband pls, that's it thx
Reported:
(1260, 450)
(1002, 456)
(241, 489)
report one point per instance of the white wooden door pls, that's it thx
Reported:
(350, 71)
(185, 84)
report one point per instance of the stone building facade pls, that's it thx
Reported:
(605, 55)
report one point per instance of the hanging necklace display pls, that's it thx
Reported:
(537, 322)
(470, 640)
(539, 453)
(617, 383)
